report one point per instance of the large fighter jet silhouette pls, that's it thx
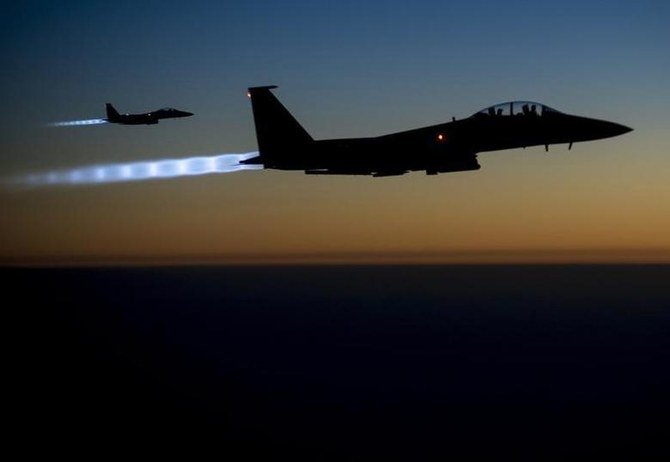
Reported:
(449, 147)
(147, 118)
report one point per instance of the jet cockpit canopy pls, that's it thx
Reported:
(515, 108)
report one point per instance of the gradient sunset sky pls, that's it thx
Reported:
(344, 69)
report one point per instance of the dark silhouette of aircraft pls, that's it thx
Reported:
(449, 147)
(148, 118)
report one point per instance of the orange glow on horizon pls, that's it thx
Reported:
(484, 257)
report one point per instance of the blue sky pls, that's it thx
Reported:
(344, 69)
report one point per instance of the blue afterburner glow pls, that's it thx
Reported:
(137, 171)
(78, 123)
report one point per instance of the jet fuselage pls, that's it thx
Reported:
(147, 118)
(448, 147)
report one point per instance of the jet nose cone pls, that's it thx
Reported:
(618, 129)
(186, 114)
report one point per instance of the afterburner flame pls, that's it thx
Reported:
(139, 171)
(78, 123)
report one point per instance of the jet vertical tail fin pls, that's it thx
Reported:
(112, 114)
(277, 131)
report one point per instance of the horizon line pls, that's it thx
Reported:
(460, 257)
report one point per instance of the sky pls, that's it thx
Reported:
(344, 69)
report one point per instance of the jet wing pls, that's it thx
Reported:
(453, 163)
(374, 173)
(437, 164)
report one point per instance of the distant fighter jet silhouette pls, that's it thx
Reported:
(148, 118)
(449, 147)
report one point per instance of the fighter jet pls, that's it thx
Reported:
(148, 118)
(284, 144)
